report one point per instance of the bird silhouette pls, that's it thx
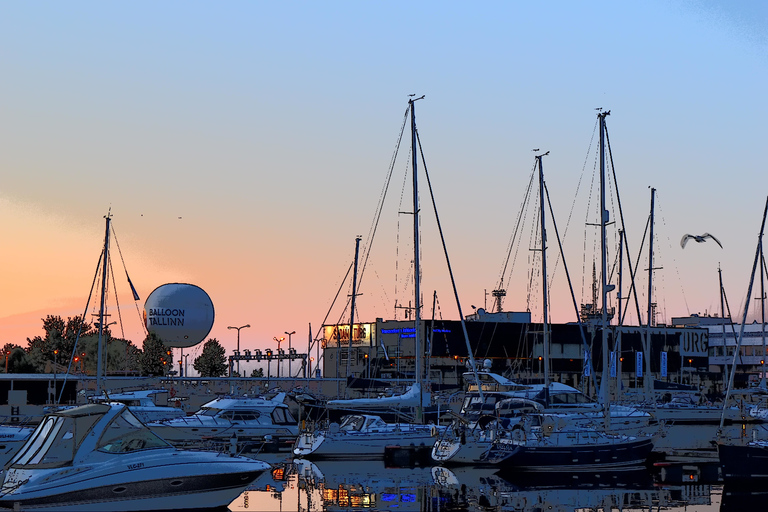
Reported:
(699, 239)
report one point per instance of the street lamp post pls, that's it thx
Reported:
(238, 343)
(289, 352)
(278, 340)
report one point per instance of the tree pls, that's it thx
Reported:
(257, 372)
(59, 336)
(154, 359)
(15, 359)
(212, 362)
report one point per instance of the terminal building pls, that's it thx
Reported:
(385, 349)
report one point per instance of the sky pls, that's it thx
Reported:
(242, 146)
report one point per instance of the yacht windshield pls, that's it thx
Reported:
(127, 434)
(208, 411)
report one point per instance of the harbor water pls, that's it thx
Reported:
(303, 486)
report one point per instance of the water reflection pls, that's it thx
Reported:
(304, 486)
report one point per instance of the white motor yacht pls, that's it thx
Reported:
(147, 405)
(101, 457)
(364, 437)
(249, 419)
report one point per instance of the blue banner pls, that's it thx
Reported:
(663, 364)
(639, 364)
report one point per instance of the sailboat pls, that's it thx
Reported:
(542, 439)
(367, 436)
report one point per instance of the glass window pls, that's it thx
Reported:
(127, 434)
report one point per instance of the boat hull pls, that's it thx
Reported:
(343, 446)
(742, 463)
(175, 485)
(532, 457)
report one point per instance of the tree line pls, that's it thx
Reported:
(73, 345)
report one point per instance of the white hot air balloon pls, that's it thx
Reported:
(180, 314)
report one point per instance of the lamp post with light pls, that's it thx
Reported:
(238, 343)
(289, 351)
(278, 340)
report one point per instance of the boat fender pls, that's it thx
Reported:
(433, 431)
(463, 438)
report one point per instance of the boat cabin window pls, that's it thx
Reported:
(245, 415)
(126, 434)
(282, 416)
(54, 441)
(208, 411)
(569, 399)
(352, 423)
(374, 423)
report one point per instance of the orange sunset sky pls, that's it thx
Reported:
(243, 146)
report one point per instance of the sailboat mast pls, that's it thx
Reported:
(604, 267)
(105, 270)
(762, 308)
(352, 314)
(544, 322)
(647, 359)
(416, 266)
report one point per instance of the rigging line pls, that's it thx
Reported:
(527, 200)
(448, 263)
(332, 304)
(674, 260)
(397, 241)
(568, 278)
(380, 207)
(621, 216)
(512, 239)
(632, 288)
(117, 302)
(590, 195)
(578, 185)
(133, 290)
(80, 327)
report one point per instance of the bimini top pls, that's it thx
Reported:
(67, 436)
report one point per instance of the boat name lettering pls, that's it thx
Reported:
(136, 466)
(441, 330)
(390, 331)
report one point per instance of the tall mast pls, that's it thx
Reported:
(762, 308)
(352, 314)
(105, 270)
(544, 322)
(604, 385)
(648, 380)
(416, 266)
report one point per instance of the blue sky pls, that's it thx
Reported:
(268, 128)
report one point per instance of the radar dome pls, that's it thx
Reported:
(180, 314)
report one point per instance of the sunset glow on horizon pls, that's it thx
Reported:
(242, 147)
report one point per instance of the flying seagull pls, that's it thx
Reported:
(699, 239)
